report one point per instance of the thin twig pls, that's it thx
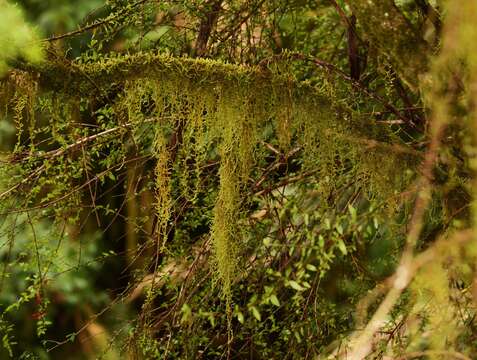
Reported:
(94, 25)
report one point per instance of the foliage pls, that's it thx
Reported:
(17, 38)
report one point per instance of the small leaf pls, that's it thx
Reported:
(321, 241)
(352, 212)
(311, 267)
(376, 223)
(296, 286)
(274, 300)
(342, 247)
(256, 313)
(186, 313)
(240, 317)
(71, 337)
(339, 228)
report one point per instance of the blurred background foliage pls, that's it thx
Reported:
(23, 41)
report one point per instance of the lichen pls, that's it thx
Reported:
(203, 110)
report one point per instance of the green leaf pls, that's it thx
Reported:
(274, 300)
(352, 212)
(321, 241)
(339, 228)
(311, 267)
(240, 317)
(186, 313)
(256, 313)
(296, 286)
(376, 223)
(342, 247)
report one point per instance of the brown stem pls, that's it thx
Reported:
(206, 26)
(353, 38)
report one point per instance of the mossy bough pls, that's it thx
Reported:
(220, 111)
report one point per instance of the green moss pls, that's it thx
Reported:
(204, 110)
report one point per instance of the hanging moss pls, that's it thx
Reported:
(204, 110)
(163, 187)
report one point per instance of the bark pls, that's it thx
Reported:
(206, 27)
